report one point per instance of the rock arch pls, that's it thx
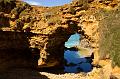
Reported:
(52, 53)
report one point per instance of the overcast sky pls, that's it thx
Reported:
(47, 2)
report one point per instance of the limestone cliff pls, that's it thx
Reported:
(48, 28)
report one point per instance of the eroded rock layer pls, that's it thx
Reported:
(46, 29)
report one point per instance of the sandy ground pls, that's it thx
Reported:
(64, 76)
(24, 73)
(32, 74)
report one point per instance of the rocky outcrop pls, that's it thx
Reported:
(14, 50)
(48, 28)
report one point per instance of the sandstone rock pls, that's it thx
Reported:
(49, 39)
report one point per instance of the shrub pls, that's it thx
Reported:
(72, 10)
(82, 2)
(54, 20)
(48, 15)
(109, 29)
(7, 5)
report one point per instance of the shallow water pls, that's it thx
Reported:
(74, 40)
(75, 63)
(74, 60)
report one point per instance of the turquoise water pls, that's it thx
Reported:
(79, 64)
(74, 40)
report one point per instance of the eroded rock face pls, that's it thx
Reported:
(47, 29)
(14, 50)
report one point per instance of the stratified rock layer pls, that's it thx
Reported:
(46, 29)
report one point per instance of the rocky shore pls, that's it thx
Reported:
(22, 73)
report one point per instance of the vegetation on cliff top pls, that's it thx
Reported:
(110, 36)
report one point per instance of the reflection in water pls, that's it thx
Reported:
(75, 63)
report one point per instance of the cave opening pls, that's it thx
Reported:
(73, 60)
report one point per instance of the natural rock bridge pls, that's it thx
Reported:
(34, 36)
(27, 49)
(47, 35)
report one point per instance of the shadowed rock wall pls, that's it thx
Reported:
(48, 28)
(14, 50)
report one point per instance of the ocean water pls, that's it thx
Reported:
(74, 40)
(73, 57)
(74, 62)
(80, 64)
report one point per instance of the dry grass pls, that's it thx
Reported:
(110, 36)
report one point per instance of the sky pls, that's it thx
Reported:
(48, 3)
